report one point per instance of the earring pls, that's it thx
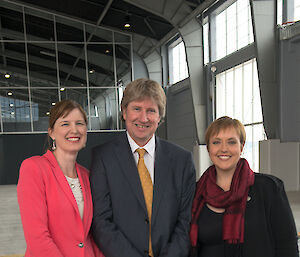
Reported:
(53, 145)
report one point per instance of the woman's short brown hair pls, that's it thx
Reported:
(223, 123)
(62, 109)
(143, 88)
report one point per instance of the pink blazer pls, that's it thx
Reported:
(50, 216)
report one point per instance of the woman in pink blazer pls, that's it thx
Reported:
(54, 191)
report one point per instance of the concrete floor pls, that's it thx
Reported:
(11, 231)
(12, 243)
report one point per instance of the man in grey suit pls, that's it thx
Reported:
(121, 225)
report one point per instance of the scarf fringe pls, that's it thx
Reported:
(194, 252)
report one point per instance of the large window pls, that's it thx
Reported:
(177, 62)
(238, 96)
(228, 28)
(290, 9)
(296, 10)
(233, 28)
(47, 57)
(279, 11)
(206, 42)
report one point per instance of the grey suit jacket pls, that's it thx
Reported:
(120, 224)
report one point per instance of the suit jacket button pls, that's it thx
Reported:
(147, 221)
(80, 245)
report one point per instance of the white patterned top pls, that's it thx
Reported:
(77, 192)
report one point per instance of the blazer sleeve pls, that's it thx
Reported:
(33, 210)
(179, 243)
(108, 237)
(283, 224)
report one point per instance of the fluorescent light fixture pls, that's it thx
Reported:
(7, 75)
(9, 93)
(11, 105)
(53, 103)
(62, 89)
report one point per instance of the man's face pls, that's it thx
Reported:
(141, 119)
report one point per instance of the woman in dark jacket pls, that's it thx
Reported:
(236, 212)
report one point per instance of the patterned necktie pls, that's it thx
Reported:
(147, 189)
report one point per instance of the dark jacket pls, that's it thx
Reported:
(120, 225)
(270, 229)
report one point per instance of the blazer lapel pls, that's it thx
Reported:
(161, 173)
(128, 166)
(86, 192)
(61, 179)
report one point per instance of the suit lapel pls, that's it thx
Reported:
(128, 166)
(61, 179)
(161, 173)
(87, 211)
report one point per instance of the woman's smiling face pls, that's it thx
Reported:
(225, 149)
(69, 132)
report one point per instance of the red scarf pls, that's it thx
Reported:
(233, 201)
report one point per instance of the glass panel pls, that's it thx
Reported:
(221, 35)
(243, 23)
(257, 108)
(43, 100)
(96, 34)
(178, 63)
(104, 111)
(183, 63)
(248, 94)
(101, 65)
(250, 26)
(13, 65)
(231, 29)
(72, 67)
(77, 94)
(12, 27)
(39, 26)
(238, 93)
(123, 59)
(279, 11)
(245, 100)
(296, 10)
(68, 30)
(229, 93)
(220, 95)
(243, 34)
(42, 65)
(15, 110)
(206, 43)
(175, 64)
(121, 38)
(231, 42)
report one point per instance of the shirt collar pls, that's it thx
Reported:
(149, 147)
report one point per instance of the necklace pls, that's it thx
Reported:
(73, 182)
